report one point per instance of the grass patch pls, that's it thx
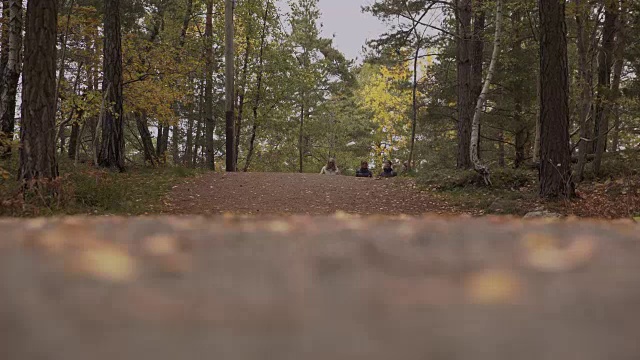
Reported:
(83, 189)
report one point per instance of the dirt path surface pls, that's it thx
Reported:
(277, 193)
(318, 288)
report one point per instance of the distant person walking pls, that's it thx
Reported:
(387, 170)
(330, 168)
(364, 170)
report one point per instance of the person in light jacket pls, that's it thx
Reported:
(330, 168)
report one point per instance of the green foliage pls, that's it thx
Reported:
(616, 165)
(502, 178)
(85, 190)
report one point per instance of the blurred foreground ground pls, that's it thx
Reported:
(334, 287)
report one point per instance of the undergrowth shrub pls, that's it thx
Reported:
(615, 165)
(502, 178)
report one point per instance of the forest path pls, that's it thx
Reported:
(292, 193)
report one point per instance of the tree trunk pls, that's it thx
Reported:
(145, 136)
(175, 143)
(162, 141)
(301, 136)
(38, 125)
(585, 81)
(603, 99)
(229, 87)
(4, 39)
(188, 148)
(243, 90)
(63, 60)
(536, 141)
(197, 143)
(477, 57)
(111, 153)
(501, 152)
(183, 36)
(465, 91)
(522, 135)
(617, 76)
(257, 99)
(482, 99)
(414, 108)
(73, 140)
(555, 155)
(9, 88)
(208, 97)
(159, 138)
(63, 126)
(185, 22)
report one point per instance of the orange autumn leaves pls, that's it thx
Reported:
(85, 253)
(539, 252)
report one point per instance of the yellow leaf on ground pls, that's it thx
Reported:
(106, 262)
(552, 258)
(160, 245)
(493, 287)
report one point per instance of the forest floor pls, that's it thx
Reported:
(171, 190)
(310, 194)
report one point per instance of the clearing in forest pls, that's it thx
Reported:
(279, 193)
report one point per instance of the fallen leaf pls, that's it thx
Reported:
(279, 226)
(106, 262)
(160, 245)
(493, 287)
(551, 258)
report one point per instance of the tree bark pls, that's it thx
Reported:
(464, 90)
(9, 88)
(208, 97)
(483, 169)
(603, 98)
(555, 155)
(111, 153)
(38, 125)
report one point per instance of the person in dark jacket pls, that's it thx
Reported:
(364, 170)
(387, 170)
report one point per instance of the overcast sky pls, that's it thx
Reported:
(351, 27)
